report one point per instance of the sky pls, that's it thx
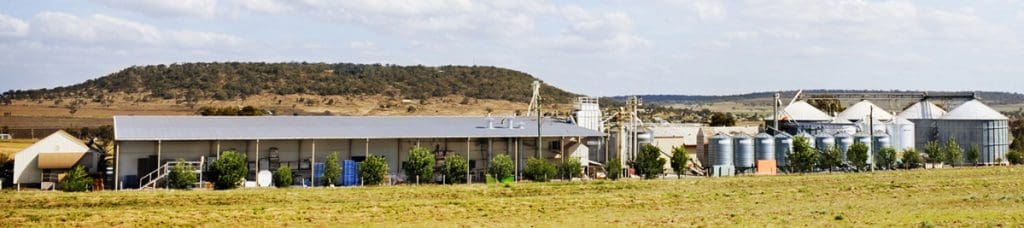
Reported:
(598, 48)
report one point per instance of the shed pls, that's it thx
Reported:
(51, 156)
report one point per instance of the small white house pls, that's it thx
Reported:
(46, 161)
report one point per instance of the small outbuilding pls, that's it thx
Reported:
(45, 162)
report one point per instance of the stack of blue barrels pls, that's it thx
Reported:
(318, 171)
(351, 173)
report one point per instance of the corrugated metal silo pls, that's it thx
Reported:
(881, 140)
(764, 147)
(974, 123)
(844, 141)
(823, 142)
(902, 132)
(743, 144)
(783, 145)
(721, 149)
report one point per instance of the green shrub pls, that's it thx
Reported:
(935, 152)
(614, 169)
(455, 169)
(571, 168)
(502, 167)
(373, 170)
(803, 158)
(230, 170)
(283, 177)
(420, 165)
(679, 160)
(76, 180)
(332, 171)
(973, 154)
(830, 158)
(886, 158)
(539, 169)
(858, 155)
(649, 162)
(1015, 157)
(912, 159)
(182, 176)
(954, 155)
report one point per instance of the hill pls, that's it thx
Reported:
(233, 80)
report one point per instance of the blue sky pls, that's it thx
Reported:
(592, 47)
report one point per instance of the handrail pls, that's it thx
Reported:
(158, 174)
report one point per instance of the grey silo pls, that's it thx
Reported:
(974, 123)
(880, 140)
(743, 144)
(823, 142)
(809, 137)
(764, 147)
(865, 138)
(783, 145)
(844, 141)
(721, 149)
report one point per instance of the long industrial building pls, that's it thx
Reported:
(145, 143)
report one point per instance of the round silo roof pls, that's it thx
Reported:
(974, 110)
(861, 110)
(802, 111)
(922, 110)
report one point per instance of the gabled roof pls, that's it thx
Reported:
(802, 111)
(687, 132)
(861, 110)
(973, 110)
(922, 110)
(148, 128)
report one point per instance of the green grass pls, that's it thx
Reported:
(949, 197)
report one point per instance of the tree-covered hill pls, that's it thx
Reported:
(234, 80)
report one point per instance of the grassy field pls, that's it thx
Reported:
(13, 146)
(950, 197)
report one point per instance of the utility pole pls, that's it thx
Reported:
(775, 114)
(540, 118)
(871, 139)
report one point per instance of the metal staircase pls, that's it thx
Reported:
(153, 179)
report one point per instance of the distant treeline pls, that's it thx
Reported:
(231, 111)
(989, 97)
(237, 80)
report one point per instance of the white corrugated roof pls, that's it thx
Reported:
(802, 111)
(922, 110)
(861, 110)
(688, 132)
(145, 128)
(974, 110)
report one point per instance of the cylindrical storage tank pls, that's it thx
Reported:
(823, 142)
(881, 140)
(901, 132)
(764, 147)
(783, 145)
(743, 144)
(720, 147)
(844, 141)
(809, 137)
(864, 138)
(645, 137)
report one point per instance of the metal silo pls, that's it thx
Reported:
(974, 123)
(844, 141)
(881, 140)
(823, 142)
(721, 149)
(743, 144)
(764, 147)
(783, 145)
(865, 138)
(902, 132)
(809, 137)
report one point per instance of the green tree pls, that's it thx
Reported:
(332, 171)
(722, 119)
(76, 180)
(1015, 157)
(973, 154)
(373, 170)
(827, 103)
(936, 154)
(954, 155)
(679, 159)
(182, 176)
(539, 169)
(571, 168)
(649, 163)
(912, 159)
(283, 177)
(229, 169)
(614, 171)
(455, 169)
(831, 158)
(420, 166)
(858, 155)
(502, 167)
(803, 158)
(886, 158)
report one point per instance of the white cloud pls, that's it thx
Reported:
(101, 29)
(706, 10)
(163, 8)
(12, 27)
(596, 32)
